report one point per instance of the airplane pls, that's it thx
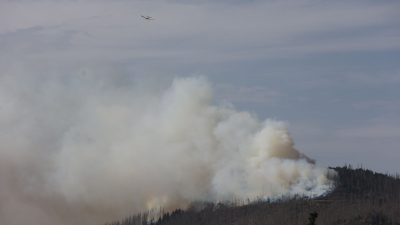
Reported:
(147, 17)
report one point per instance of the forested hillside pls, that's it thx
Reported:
(361, 197)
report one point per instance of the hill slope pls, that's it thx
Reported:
(360, 197)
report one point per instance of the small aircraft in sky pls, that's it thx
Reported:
(147, 17)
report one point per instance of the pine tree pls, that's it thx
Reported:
(311, 219)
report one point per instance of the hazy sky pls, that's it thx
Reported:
(331, 69)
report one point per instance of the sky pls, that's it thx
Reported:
(330, 69)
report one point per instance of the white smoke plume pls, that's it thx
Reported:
(88, 149)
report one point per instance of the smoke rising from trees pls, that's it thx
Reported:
(89, 149)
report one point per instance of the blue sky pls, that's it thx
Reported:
(329, 68)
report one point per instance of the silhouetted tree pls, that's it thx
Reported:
(311, 219)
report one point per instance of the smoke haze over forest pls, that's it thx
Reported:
(83, 149)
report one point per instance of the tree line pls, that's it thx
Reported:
(360, 197)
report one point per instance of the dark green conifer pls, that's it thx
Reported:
(311, 219)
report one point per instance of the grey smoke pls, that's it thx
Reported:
(90, 149)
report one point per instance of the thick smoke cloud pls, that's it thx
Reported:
(90, 149)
